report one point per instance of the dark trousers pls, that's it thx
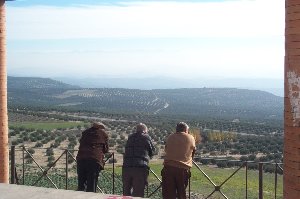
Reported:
(174, 182)
(88, 173)
(134, 180)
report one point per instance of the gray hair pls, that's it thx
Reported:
(182, 127)
(141, 128)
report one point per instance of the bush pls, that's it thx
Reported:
(49, 152)
(50, 164)
(205, 161)
(120, 150)
(38, 144)
(205, 151)
(26, 138)
(33, 139)
(51, 158)
(12, 133)
(55, 145)
(263, 159)
(244, 151)
(243, 158)
(27, 156)
(45, 141)
(221, 164)
(269, 168)
(32, 151)
(70, 160)
(252, 166)
(252, 157)
(213, 161)
(231, 164)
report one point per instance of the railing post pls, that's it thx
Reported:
(23, 156)
(12, 165)
(276, 167)
(260, 167)
(113, 156)
(147, 190)
(67, 168)
(246, 164)
(190, 186)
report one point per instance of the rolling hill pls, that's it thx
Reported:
(35, 82)
(225, 103)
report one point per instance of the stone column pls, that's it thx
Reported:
(291, 175)
(4, 161)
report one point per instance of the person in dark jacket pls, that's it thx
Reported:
(90, 157)
(138, 150)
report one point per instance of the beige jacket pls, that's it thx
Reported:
(179, 150)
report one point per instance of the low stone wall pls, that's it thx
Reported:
(8, 191)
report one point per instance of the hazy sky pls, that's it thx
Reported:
(189, 39)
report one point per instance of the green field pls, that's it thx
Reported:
(46, 125)
(234, 188)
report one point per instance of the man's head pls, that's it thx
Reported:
(182, 127)
(98, 125)
(141, 128)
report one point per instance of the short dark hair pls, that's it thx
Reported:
(181, 127)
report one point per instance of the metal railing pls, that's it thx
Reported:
(15, 180)
(217, 187)
(157, 188)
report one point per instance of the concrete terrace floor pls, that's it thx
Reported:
(8, 191)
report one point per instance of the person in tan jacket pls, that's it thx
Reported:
(90, 157)
(180, 148)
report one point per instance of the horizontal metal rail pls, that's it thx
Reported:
(216, 187)
(157, 188)
(66, 152)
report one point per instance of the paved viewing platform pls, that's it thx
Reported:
(9, 191)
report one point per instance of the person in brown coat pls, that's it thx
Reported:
(180, 149)
(90, 157)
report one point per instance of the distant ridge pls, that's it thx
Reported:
(274, 86)
(222, 103)
(35, 82)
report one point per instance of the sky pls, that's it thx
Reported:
(135, 38)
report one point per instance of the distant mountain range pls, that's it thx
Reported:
(35, 82)
(274, 86)
(226, 103)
